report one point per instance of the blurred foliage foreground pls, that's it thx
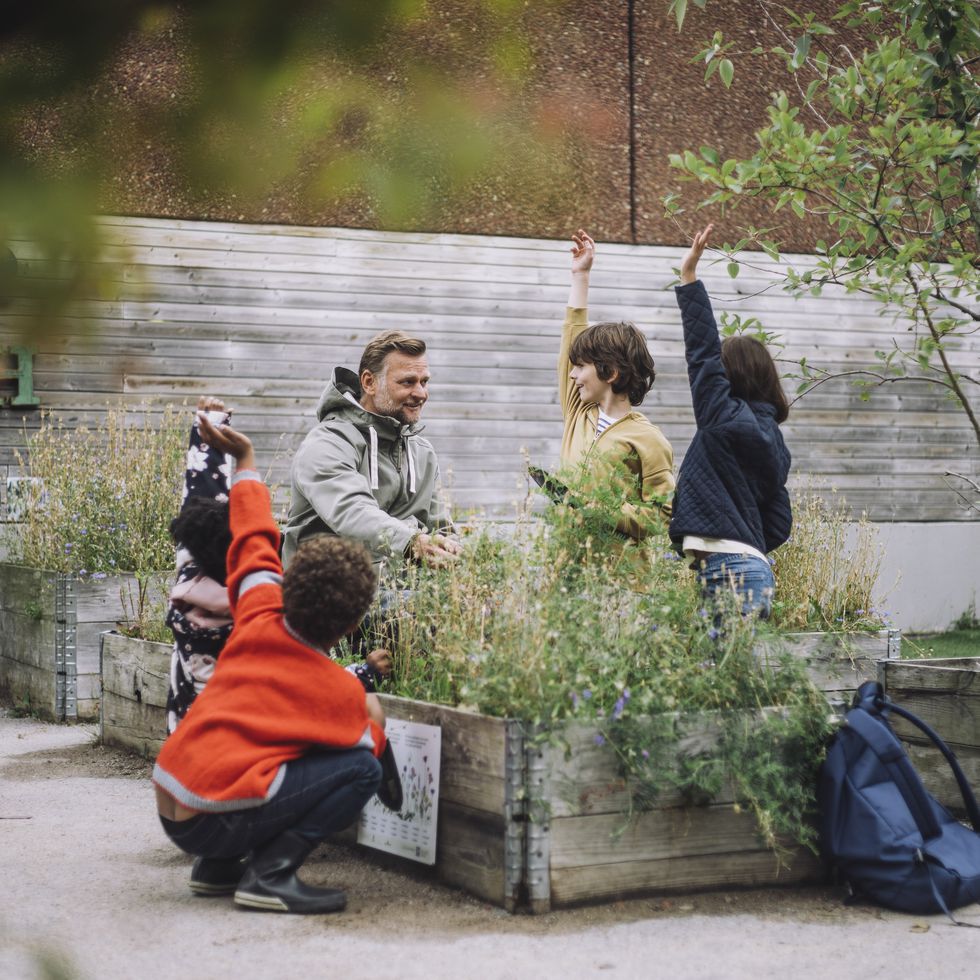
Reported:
(398, 107)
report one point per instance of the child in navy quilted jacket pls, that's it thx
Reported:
(731, 507)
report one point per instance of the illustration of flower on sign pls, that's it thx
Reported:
(418, 790)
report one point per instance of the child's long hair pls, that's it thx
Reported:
(752, 373)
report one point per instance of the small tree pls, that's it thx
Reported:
(882, 146)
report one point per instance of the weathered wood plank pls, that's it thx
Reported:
(135, 677)
(470, 849)
(570, 886)
(584, 776)
(945, 694)
(937, 775)
(474, 752)
(838, 663)
(609, 839)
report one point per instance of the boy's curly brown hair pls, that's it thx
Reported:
(327, 589)
(617, 349)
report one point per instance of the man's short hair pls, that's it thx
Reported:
(327, 589)
(617, 347)
(380, 347)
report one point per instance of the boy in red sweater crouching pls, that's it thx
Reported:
(282, 746)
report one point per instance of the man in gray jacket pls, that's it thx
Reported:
(364, 472)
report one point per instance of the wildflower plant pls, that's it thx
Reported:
(101, 499)
(828, 570)
(565, 621)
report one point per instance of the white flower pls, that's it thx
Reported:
(197, 459)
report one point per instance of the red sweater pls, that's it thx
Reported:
(272, 698)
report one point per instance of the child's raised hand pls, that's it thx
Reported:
(227, 440)
(689, 264)
(583, 251)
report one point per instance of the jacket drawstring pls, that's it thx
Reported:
(374, 457)
(373, 463)
(411, 466)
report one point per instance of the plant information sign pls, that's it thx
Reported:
(410, 833)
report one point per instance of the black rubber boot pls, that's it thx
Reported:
(217, 876)
(270, 881)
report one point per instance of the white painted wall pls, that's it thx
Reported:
(930, 573)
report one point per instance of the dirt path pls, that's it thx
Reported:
(92, 889)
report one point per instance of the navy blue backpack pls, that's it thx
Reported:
(880, 828)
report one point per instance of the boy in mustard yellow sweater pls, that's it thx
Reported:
(604, 371)
(282, 747)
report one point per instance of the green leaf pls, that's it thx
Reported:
(726, 71)
(680, 9)
(709, 154)
(801, 51)
(733, 269)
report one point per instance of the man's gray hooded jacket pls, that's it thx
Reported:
(363, 476)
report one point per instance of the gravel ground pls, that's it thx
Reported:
(92, 889)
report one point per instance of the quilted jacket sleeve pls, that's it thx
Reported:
(711, 392)
(777, 519)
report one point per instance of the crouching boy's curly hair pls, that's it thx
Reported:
(327, 589)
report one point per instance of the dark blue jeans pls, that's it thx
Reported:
(750, 578)
(322, 792)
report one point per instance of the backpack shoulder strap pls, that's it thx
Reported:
(874, 731)
(969, 800)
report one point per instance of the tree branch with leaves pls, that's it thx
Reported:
(882, 147)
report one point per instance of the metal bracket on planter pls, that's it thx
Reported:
(23, 374)
(894, 644)
(514, 815)
(65, 649)
(538, 833)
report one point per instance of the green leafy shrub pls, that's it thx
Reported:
(562, 620)
(101, 501)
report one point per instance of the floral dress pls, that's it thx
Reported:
(198, 615)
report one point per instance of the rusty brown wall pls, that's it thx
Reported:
(625, 94)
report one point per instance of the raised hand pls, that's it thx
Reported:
(689, 264)
(215, 408)
(583, 251)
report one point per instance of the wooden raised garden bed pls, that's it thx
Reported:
(945, 694)
(135, 678)
(50, 624)
(524, 821)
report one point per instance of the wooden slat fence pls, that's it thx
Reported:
(259, 315)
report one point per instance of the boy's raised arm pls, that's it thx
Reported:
(576, 314)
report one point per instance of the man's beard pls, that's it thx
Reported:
(385, 404)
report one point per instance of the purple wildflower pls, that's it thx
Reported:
(600, 740)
